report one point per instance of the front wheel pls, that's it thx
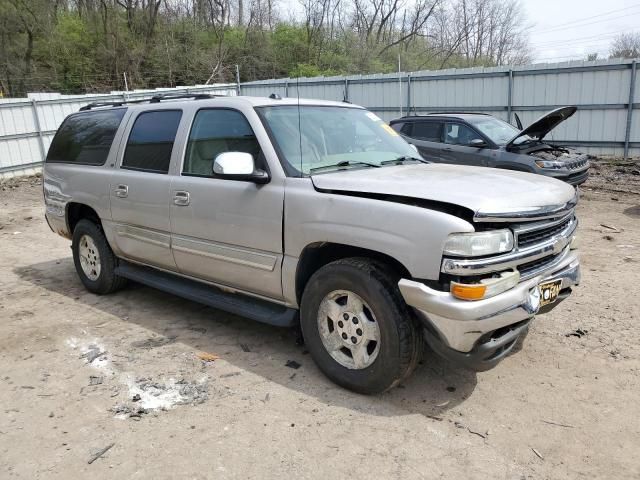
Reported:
(357, 327)
(94, 260)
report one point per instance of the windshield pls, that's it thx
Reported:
(500, 132)
(327, 138)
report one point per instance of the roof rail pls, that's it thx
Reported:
(111, 104)
(155, 99)
(460, 112)
(178, 96)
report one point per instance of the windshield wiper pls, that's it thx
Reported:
(404, 158)
(345, 163)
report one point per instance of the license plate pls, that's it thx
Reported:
(549, 292)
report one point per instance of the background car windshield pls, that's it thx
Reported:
(498, 131)
(309, 137)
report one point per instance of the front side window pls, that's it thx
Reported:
(217, 131)
(498, 131)
(316, 139)
(427, 131)
(85, 138)
(458, 134)
(151, 141)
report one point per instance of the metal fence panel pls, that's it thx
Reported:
(600, 89)
(607, 120)
(27, 125)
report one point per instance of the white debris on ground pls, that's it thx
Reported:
(143, 395)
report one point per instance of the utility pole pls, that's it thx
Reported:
(399, 86)
(237, 80)
(126, 84)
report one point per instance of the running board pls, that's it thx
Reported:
(236, 303)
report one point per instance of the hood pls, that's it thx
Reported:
(545, 124)
(490, 193)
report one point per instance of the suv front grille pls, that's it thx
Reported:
(529, 267)
(577, 164)
(526, 239)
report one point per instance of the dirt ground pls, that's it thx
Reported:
(80, 373)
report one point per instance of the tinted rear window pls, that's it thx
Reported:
(85, 138)
(151, 141)
(429, 131)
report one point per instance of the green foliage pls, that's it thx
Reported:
(87, 46)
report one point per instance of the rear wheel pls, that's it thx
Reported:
(357, 327)
(94, 260)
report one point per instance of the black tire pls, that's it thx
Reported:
(107, 281)
(400, 334)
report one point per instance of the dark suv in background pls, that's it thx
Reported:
(483, 140)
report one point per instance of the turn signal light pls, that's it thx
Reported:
(487, 287)
(468, 292)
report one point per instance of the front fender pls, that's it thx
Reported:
(412, 235)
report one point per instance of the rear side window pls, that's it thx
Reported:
(85, 138)
(151, 141)
(217, 131)
(428, 131)
(407, 129)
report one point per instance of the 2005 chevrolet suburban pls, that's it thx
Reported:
(287, 211)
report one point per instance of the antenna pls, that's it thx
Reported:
(299, 121)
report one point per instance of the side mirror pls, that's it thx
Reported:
(477, 143)
(414, 147)
(238, 166)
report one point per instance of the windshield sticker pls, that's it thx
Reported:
(389, 130)
(373, 117)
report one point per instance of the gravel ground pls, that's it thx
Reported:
(141, 384)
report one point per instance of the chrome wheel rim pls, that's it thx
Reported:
(349, 329)
(89, 257)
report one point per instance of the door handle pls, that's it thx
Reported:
(121, 191)
(181, 198)
(447, 149)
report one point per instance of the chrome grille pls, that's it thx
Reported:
(526, 269)
(531, 237)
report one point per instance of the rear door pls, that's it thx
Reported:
(457, 149)
(140, 189)
(226, 231)
(427, 137)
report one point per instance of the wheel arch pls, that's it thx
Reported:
(77, 211)
(316, 255)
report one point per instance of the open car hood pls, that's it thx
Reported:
(545, 124)
(487, 192)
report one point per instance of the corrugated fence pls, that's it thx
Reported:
(606, 93)
(27, 125)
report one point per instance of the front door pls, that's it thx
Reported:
(140, 190)
(457, 149)
(226, 231)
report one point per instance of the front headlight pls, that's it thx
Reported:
(550, 164)
(479, 243)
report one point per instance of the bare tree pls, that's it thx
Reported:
(625, 45)
(483, 32)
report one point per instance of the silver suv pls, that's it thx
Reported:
(312, 213)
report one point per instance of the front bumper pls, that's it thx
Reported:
(478, 334)
(572, 177)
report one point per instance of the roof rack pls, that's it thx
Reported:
(155, 99)
(457, 113)
(178, 96)
(111, 104)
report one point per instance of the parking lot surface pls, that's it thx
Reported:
(140, 384)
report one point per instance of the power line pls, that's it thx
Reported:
(579, 39)
(604, 14)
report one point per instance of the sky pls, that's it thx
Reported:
(562, 30)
